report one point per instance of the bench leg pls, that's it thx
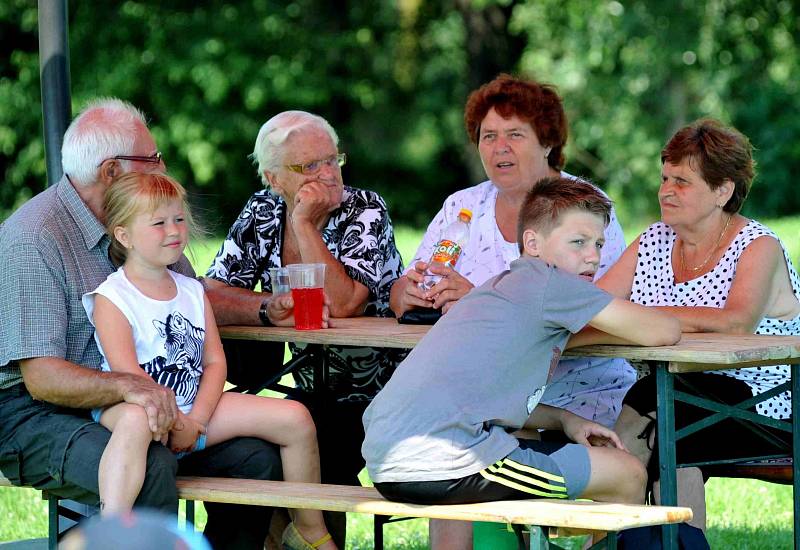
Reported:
(377, 527)
(52, 522)
(189, 514)
(611, 540)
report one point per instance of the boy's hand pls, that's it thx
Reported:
(183, 440)
(588, 433)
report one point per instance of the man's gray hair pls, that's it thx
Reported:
(269, 149)
(106, 127)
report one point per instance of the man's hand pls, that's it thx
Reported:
(588, 433)
(183, 439)
(280, 310)
(452, 287)
(157, 401)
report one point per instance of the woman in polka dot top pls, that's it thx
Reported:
(717, 271)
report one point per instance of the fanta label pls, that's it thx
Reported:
(446, 253)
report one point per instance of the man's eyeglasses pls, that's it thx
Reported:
(315, 166)
(154, 158)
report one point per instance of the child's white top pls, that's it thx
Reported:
(168, 334)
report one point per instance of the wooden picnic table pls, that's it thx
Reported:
(694, 353)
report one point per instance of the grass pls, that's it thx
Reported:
(744, 514)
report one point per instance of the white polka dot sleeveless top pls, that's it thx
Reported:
(654, 285)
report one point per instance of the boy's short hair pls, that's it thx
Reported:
(551, 197)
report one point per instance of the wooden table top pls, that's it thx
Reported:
(695, 352)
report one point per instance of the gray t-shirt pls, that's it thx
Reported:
(483, 367)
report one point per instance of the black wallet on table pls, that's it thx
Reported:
(421, 316)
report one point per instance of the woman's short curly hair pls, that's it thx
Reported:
(718, 153)
(535, 103)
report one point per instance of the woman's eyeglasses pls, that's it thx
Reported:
(315, 166)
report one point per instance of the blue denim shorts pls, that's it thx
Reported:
(198, 446)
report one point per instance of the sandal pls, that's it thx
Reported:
(293, 540)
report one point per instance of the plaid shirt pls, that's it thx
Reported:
(52, 251)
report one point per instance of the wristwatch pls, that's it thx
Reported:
(262, 314)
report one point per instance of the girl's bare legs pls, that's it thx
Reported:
(285, 423)
(124, 459)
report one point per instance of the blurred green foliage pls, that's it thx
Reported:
(392, 78)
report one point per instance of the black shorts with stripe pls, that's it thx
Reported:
(536, 469)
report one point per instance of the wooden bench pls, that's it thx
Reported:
(548, 514)
(776, 470)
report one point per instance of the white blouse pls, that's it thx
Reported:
(488, 253)
(592, 387)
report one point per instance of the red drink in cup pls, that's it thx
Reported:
(307, 308)
(307, 282)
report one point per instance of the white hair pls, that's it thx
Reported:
(106, 127)
(269, 149)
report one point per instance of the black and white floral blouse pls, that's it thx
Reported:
(359, 234)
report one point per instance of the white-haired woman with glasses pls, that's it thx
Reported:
(307, 215)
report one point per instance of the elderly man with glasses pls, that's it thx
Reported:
(53, 250)
(307, 215)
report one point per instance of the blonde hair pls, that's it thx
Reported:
(133, 193)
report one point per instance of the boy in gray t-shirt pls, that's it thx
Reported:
(440, 431)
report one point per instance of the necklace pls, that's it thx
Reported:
(710, 254)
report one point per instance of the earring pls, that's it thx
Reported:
(547, 152)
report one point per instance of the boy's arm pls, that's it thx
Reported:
(640, 325)
(590, 336)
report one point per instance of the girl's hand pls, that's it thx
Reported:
(184, 440)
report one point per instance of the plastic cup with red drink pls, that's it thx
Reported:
(307, 282)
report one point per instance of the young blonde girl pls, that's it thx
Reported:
(158, 324)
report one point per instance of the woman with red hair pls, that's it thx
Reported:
(520, 129)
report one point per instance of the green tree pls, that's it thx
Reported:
(392, 77)
(633, 73)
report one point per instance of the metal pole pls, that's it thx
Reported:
(795, 374)
(665, 395)
(54, 77)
